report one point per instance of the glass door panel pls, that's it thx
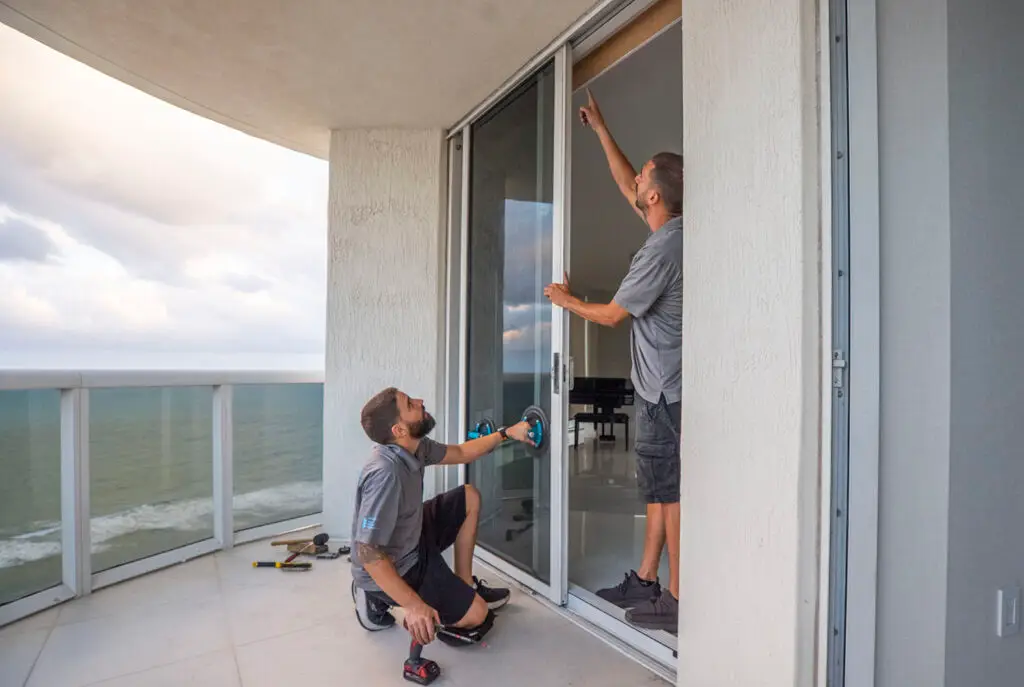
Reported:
(509, 321)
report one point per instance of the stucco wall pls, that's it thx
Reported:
(751, 352)
(384, 312)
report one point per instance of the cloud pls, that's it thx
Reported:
(246, 283)
(131, 226)
(22, 241)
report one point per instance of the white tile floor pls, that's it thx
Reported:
(217, 622)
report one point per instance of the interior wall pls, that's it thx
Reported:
(913, 508)
(950, 510)
(384, 291)
(986, 483)
(641, 101)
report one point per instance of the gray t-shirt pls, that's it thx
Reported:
(389, 506)
(652, 293)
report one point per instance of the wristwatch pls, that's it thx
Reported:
(503, 431)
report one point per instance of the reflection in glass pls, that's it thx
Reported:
(509, 319)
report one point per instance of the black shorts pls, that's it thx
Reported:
(431, 577)
(657, 450)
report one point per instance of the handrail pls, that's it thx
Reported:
(21, 380)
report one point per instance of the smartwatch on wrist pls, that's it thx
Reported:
(503, 431)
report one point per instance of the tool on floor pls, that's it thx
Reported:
(282, 565)
(298, 529)
(319, 540)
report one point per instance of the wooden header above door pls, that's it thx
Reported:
(633, 35)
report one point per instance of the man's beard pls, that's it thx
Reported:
(418, 430)
(640, 205)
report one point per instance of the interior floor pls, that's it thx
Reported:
(607, 522)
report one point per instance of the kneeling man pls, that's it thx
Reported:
(397, 539)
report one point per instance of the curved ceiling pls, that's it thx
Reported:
(290, 71)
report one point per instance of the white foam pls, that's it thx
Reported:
(189, 515)
(13, 553)
(283, 498)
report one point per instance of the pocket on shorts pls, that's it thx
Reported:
(655, 435)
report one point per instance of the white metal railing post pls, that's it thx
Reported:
(75, 512)
(223, 468)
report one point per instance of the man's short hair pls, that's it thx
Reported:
(667, 175)
(379, 415)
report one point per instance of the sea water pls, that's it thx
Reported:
(151, 472)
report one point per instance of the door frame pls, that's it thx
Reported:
(603, 21)
(459, 205)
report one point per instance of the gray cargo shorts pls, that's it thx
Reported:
(657, 450)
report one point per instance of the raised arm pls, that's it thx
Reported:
(474, 449)
(620, 167)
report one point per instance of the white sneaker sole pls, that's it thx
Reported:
(495, 605)
(359, 597)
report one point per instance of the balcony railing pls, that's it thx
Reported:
(108, 475)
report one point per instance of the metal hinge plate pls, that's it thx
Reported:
(838, 368)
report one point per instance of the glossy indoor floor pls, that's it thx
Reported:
(216, 621)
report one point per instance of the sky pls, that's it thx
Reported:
(136, 234)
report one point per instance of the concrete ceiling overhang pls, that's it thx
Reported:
(289, 71)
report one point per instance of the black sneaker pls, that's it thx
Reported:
(631, 592)
(372, 613)
(661, 613)
(494, 597)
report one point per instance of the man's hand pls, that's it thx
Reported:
(521, 432)
(590, 114)
(421, 621)
(559, 294)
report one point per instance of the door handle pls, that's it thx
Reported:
(572, 373)
(556, 374)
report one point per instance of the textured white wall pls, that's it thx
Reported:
(751, 344)
(384, 312)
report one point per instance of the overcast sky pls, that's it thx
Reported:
(133, 233)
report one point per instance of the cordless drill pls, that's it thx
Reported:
(420, 670)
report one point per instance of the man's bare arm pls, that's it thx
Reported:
(383, 572)
(420, 619)
(474, 449)
(619, 165)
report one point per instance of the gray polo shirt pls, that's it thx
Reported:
(652, 293)
(389, 506)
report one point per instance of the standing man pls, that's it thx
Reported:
(397, 540)
(651, 296)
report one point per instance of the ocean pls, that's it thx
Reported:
(151, 472)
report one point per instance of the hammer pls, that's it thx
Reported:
(319, 540)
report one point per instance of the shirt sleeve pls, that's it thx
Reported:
(378, 508)
(430, 452)
(648, 277)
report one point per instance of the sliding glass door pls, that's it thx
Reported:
(512, 339)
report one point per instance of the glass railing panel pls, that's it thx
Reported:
(150, 470)
(278, 452)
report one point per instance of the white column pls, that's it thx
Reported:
(384, 301)
(752, 344)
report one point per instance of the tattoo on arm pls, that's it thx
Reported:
(369, 554)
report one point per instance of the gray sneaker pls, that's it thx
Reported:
(660, 613)
(630, 592)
